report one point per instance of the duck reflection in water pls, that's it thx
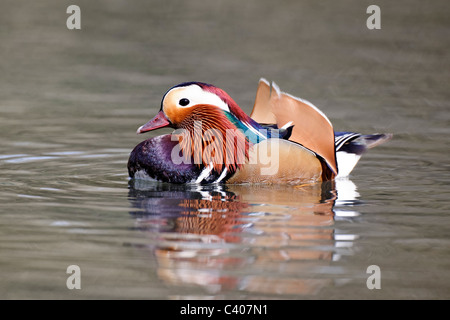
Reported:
(254, 239)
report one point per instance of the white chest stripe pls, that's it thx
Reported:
(205, 173)
(222, 175)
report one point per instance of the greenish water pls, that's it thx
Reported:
(71, 101)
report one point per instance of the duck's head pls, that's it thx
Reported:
(196, 101)
(196, 105)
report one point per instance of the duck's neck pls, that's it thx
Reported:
(237, 116)
(211, 138)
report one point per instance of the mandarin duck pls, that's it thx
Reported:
(285, 140)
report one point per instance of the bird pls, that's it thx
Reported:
(285, 140)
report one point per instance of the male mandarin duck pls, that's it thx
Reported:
(285, 140)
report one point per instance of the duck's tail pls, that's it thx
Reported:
(351, 145)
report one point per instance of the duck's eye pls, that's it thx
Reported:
(183, 102)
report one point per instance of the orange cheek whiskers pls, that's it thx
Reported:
(212, 139)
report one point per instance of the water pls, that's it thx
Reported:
(71, 102)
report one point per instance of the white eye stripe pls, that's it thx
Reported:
(195, 95)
